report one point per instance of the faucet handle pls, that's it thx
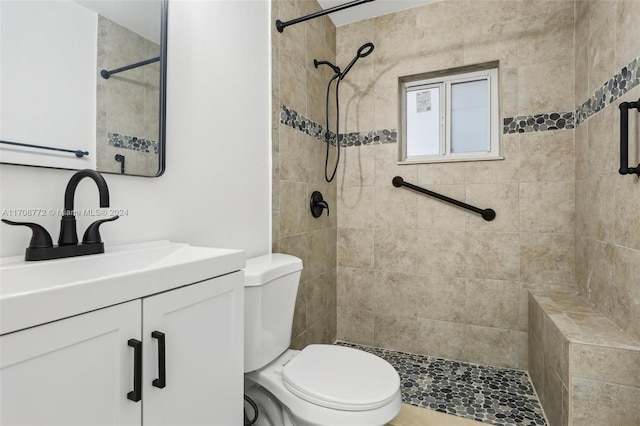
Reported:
(92, 234)
(40, 238)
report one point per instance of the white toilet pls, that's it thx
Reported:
(322, 385)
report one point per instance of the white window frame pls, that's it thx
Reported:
(444, 80)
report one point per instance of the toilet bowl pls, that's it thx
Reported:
(321, 384)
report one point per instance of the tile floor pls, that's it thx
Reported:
(410, 415)
(482, 393)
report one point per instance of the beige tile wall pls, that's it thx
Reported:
(298, 168)
(412, 273)
(585, 370)
(418, 275)
(607, 246)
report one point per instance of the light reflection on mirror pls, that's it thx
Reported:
(52, 53)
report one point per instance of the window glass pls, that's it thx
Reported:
(450, 115)
(470, 116)
(423, 122)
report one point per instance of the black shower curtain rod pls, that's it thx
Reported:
(106, 74)
(282, 25)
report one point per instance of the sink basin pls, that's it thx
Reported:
(33, 293)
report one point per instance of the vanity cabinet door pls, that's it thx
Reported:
(202, 329)
(76, 371)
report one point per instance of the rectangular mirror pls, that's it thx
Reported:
(83, 83)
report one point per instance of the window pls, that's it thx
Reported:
(450, 116)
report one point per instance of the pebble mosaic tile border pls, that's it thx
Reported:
(623, 81)
(370, 138)
(299, 122)
(493, 395)
(538, 122)
(626, 79)
(132, 142)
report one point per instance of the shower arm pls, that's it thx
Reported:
(282, 25)
(317, 63)
(363, 51)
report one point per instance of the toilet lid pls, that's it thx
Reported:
(341, 378)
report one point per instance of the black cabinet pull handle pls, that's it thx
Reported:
(161, 381)
(136, 394)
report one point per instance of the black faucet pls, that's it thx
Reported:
(68, 233)
(41, 247)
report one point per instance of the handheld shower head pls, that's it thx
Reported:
(364, 50)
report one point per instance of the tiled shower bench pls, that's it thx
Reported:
(585, 370)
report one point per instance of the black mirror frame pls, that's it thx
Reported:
(162, 131)
(162, 107)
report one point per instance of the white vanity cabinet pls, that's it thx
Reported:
(81, 370)
(76, 371)
(203, 325)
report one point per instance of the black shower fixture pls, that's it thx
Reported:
(335, 69)
(317, 204)
(624, 138)
(280, 26)
(364, 50)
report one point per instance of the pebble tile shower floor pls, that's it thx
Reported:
(493, 395)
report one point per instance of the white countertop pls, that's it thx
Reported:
(33, 293)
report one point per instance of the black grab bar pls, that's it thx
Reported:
(282, 25)
(624, 138)
(78, 153)
(487, 214)
(106, 74)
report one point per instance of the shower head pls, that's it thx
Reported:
(364, 50)
(335, 69)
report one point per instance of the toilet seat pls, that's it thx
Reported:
(341, 378)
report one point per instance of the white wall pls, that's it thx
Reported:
(47, 81)
(216, 188)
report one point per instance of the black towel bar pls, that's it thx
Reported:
(487, 214)
(78, 153)
(624, 138)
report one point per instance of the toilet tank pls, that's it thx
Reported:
(270, 284)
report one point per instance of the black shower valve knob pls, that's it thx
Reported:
(318, 204)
